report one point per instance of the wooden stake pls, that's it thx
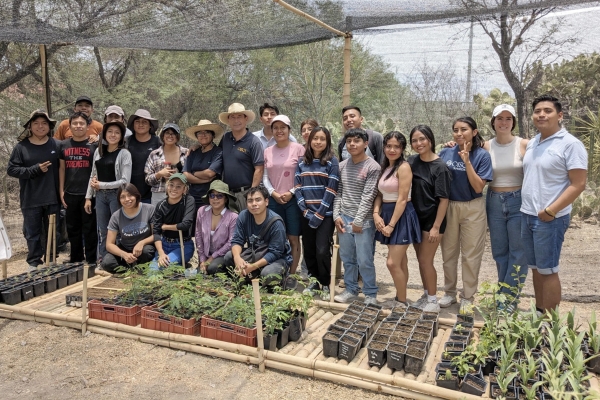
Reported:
(309, 17)
(333, 272)
(182, 250)
(346, 87)
(259, 332)
(54, 239)
(4, 269)
(49, 240)
(86, 269)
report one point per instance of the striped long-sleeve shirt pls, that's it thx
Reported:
(316, 186)
(357, 190)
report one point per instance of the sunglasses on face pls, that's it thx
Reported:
(218, 196)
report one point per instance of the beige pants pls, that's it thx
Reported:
(465, 233)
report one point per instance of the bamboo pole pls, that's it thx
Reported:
(4, 269)
(258, 318)
(54, 239)
(347, 53)
(309, 17)
(86, 269)
(45, 83)
(333, 272)
(181, 247)
(49, 240)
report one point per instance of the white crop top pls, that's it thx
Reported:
(507, 163)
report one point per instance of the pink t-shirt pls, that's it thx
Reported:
(281, 163)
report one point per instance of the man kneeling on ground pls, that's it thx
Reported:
(277, 259)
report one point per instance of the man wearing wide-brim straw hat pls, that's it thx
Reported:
(242, 153)
(140, 145)
(205, 164)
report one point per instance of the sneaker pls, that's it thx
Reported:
(32, 268)
(325, 293)
(291, 283)
(342, 284)
(466, 307)
(311, 288)
(370, 300)
(345, 297)
(422, 302)
(432, 306)
(393, 303)
(447, 301)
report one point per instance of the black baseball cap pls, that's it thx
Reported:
(81, 99)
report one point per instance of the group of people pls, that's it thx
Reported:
(246, 198)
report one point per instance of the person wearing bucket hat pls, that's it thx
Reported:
(172, 215)
(116, 113)
(140, 145)
(201, 167)
(281, 161)
(266, 113)
(215, 225)
(34, 160)
(84, 105)
(242, 153)
(165, 161)
(110, 170)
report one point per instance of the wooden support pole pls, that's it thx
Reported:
(309, 17)
(54, 239)
(86, 269)
(347, 53)
(4, 269)
(333, 272)
(49, 240)
(259, 331)
(45, 80)
(182, 250)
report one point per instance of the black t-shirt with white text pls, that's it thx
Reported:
(78, 158)
(139, 155)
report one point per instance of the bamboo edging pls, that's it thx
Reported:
(259, 332)
(84, 310)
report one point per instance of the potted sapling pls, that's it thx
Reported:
(593, 361)
(447, 380)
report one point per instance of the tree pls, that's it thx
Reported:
(521, 51)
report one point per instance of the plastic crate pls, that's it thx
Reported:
(155, 320)
(226, 332)
(109, 312)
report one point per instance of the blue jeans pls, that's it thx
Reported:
(106, 205)
(35, 230)
(173, 250)
(356, 252)
(543, 241)
(504, 221)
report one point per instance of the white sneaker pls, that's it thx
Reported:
(370, 300)
(432, 306)
(325, 293)
(447, 301)
(466, 307)
(345, 297)
(422, 302)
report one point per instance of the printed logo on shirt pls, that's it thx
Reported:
(456, 165)
(243, 150)
(52, 152)
(135, 229)
(286, 173)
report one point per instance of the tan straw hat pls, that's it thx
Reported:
(237, 108)
(205, 125)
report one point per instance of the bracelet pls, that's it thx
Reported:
(550, 212)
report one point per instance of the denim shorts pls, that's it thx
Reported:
(542, 242)
(290, 213)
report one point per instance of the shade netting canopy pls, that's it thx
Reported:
(218, 25)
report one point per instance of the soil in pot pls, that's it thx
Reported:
(404, 328)
(454, 346)
(348, 318)
(343, 324)
(377, 353)
(394, 316)
(442, 380)
(399, 310)
(387, 332)
(330, 344)
(336, 329)
(414, 359)
(381, 338)
(364, 329)
(398, 338)
(464, 318)
(418, 345)
(421, 337)
(357, 335)
(387, 325)
(270, 341)
(473, 385)
(396, 356)
(348, 347)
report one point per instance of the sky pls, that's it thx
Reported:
(445, 45)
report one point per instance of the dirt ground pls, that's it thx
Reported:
(51, 362)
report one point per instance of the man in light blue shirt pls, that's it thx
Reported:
(266, 114)
(555, 172)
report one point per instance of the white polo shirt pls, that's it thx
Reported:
(546, 167)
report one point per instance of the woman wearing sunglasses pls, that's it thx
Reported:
(215, 224)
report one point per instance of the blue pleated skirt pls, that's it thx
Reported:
(406, 231)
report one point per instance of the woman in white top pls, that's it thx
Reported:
(503, 201)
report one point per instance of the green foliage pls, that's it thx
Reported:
(588, 129)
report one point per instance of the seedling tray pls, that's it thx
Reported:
(109, 312)
(219, 330)
(152, 318)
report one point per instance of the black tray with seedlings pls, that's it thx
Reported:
(377, 353)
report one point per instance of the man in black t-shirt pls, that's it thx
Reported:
(76, 156)
(140, 145)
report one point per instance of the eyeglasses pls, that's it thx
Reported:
(218, 196)
(170, 133)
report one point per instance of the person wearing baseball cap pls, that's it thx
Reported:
(503, 203)
(172, 216)
(116, 113)
(84, 105)
(242, 153)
